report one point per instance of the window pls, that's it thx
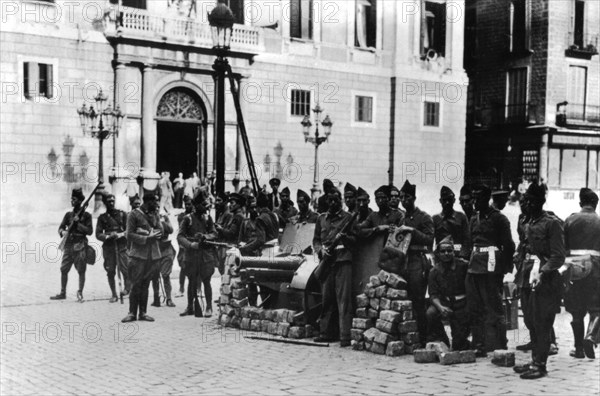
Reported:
(516, 98)
(576, 92)
(366, 24)
(301, 19)
(300, 102)
(431, 115)
(578, 22)
(363, 111)
(37, 79)
(520, 23)
(433, 29)
(141, 4)
(237, 7)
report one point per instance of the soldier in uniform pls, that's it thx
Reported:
(144, 230)
(223, 217)
(199, 258)
(229, 231)
(75, 246)
(582, 237)
(547, 250)
(266, 219)
(499, 199)
(251, 238)
(322, 201)
(305, 215)
(274, 199)
(416, 273)
(110, 229)
(337, 286)
(362, 203)
(448, 297)
(135, 202)
(167, 253)
(189, 209)
(492, 255)
(450, 222)
(395, 198)
(383, 221)
(286, 210)
(466, 201)
(350, 197)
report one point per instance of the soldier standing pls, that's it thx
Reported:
(189, 209)
(229, 231)
(274, 199)
(199, 258)
(266, 219)
(420, 225)
(322, 200)
(383, 221)
(499, 199)
(395, 198)
(305, 215)
(286, 210)
(362, 202)
(167, 256)
(547, 250)
(582, 237)
(252, 237)
(350, 197)
(466, 201)
(492, 255)
(144, 230)
(450, 222)
(337, 286)
(223, 217)
(76, 244)
(110, 229)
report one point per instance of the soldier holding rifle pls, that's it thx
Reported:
(74, 228)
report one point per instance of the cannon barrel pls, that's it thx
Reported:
(290, 263)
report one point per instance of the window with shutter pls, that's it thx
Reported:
(433, 29)
(301, 19)
(38, 79)
(516, 99)
(366, 24)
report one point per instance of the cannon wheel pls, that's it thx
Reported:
(312, 301)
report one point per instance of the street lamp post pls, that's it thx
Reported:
(316, 140)
(221, 21)
(100, 123)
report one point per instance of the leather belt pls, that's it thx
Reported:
(485, 249)
(584, 252)
(418, 248)
(457, 247)
(460, 297)
(491, 252)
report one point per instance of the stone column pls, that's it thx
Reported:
(148, 137)
(120, 148)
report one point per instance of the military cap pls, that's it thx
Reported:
(385, 190)
(149, 196)
(285, 191)
(106, 196)
(134, 198)
(483, 189)
(362, 193)
(394, 188)
(536, 191)
(302, 194)
(446, 241)
(327, 184)
(499, 193)
(77, 193)
(349, 189)
(409, 189)
(274, 182)
(446, 192)
(465, 190)
(334, 190)
(262, 201)
(587, 196)
(237, 198)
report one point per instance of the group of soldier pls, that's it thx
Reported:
(459, 259)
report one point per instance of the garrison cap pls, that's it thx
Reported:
(285, 191)
(77, 193)
(465, 190)
(349, 189)
(362, 193)
(327, 184)
(409, 189)
(446, 192)
(587, 196)
(385, 190)
(302, 194)
(334, 190)
(237, 198)
(536, 191)
(394, 189)
(446, 241)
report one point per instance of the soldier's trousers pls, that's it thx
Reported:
(484, 299)
(197, 274)
(141, 272)
(544, 304)
(416, 275)
(164, 270)
(528, 315)
(112, 255)
(583, 297)
(459, 325)
(72, 257)
(337, 302)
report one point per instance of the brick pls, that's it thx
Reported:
(356, 334)
(223, 299)
(254, 312)
(228, 310)
(244, 312)
(358, 345)
(375, 281)
(255, 325)
(401, 305)
(388, 327)
(308, 331)
(362, 301)
(273, 326)
(383, 276)
(380, 291)
(396, 281)
(425, 356)
(395, 294)
(368, 286)
(438, 346)
(368, 345)
(374, 303)
(225, 279)
(467, 356)
(283, 329)
(268, 314)
(264, 325)
(225, 289)
(378, 348)
(385, 303)
(236, 283)
(358, 323)
(503, 358)
(296, 332)
(238, 312)
(361, 313)
(407, 315)
(370, 293)
(239, 303)
(235, 322)
(245, 324)
(447, 358)
(411, 338)
(372, 314)
(410, 349)
(409, 326)
(395, 348)
(298, 318)
(224, 320)
(369, 335)
(390, 316)
(382, 337)
(239, 293)
(279, 315)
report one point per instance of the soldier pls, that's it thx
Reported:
(450, 222)
(582, 237)
(274, 199)
(499, 199)
(224, 216)
(337, 286)
(417, 269)
(350, 197)
(383, 221)
(395, 198)
(76, 244)
(286, 210)
(266, 219)
(493, 250)
(144, 230)
(135, 202)
(322, 201)
(305, 215)
(547, 250)
(362, 202)
(167, 253)
(199, 258)
(229, 230)
(110, 229)
(466, 201)
(448, 297)
(189, 209)
(251, 237)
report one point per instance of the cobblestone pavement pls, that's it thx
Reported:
(71, 348)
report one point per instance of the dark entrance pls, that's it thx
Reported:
(177, 148)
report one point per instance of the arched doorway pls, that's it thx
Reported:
(181, 133)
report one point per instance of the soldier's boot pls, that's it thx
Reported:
(578, 337)
(64, 277)
(111, 283)
(591, 338)
(81, 285)
(168, 290)
(155, 286)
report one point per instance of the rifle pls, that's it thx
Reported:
(322, 270)
(220, 244)
(66, 235)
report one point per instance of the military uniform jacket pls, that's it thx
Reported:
(422, 236)
(582, 230)
(192, 227)
(253, 237)
(108, 222)
(139, 224)
(445, 283)
(80, 231)
(224, 218)
(231, 229)
(166, 247)
(489, 230)
(368, 227)
(286, 214)
(456, 225)
(546, 241)
(267, 220)
(309, 217)
(523, 265)
(326, 228)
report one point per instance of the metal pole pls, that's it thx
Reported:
(219, 67)
(316, 170)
